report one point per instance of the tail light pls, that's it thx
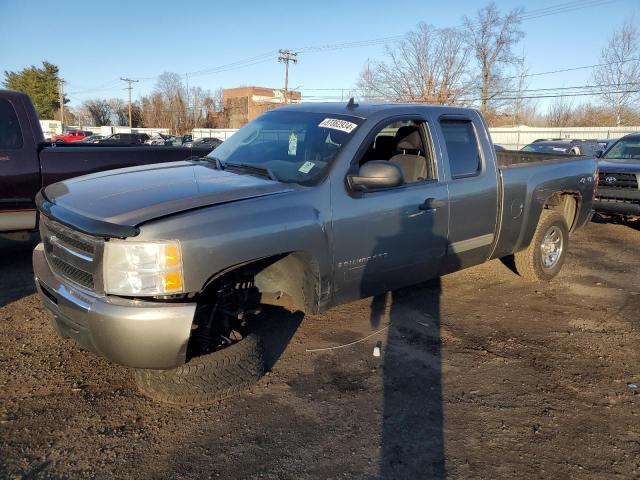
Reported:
(596, 181)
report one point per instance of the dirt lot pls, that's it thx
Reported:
(481, 376)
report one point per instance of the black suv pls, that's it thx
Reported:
(562, 146)
(125, 139)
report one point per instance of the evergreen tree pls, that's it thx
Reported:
(41, 84)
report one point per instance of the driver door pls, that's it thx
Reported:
(387, 238)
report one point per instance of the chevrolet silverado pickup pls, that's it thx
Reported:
(27, 163)
(161, 267)
(619, 181)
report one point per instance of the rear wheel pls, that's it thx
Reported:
(544, 257)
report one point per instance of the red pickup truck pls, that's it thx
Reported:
(27, 163)
(71, 136)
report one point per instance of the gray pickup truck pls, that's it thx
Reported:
(159, 267)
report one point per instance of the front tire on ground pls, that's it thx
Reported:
(208, 378)
(545, 255)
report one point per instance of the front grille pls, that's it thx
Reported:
(618, 180)
(71, 254)
(72, 273)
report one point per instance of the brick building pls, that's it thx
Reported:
(243, 104)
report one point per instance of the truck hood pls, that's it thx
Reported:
(114, 203)
(619, 165)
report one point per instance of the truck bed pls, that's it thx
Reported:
(510, 158)
(59, 162)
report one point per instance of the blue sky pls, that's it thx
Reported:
(95, 43)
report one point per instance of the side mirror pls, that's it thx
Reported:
(377, 174)
(599, 153)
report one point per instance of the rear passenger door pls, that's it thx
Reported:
(473, 190)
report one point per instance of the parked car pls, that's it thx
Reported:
(125, 139)
(27, 163)
(92, 139)
(71, 136)
(169, 140)
(204, 141)
(306, 207)
(567, 147)
(618, 186)
(161, 139)
(606, 143)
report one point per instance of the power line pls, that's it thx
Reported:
(477, 99)
(533, 14)
(571, 69)
(270, 55)
(99, 88)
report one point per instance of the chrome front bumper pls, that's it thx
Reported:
(135, 333)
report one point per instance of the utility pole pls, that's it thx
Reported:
(285, 57)
(129, 81)
(61, 100)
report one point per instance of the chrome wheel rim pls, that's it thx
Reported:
(551, 247)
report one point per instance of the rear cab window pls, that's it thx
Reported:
(10, 133)
(462, 147)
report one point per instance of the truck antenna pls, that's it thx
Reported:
(352, 104)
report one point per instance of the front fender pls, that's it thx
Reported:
(218, 238)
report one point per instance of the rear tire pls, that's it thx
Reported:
(208, 378)
(539, 262)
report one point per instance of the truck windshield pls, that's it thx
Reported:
(625, 149)
(296, 147)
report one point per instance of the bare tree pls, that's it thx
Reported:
(524, 110)
(174, 96)
(492, 36)
(560, 112)
(618, 78)
(99, 110)
(429, 65)
(119, 111)
(218, 100)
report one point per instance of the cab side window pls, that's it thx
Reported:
(10, 134)
(462, 147)
(403, 144)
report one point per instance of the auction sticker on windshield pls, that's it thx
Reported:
(337, 124)
(306, 167)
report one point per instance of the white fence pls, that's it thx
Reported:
(150, 131)
(517, 137)
(221, 133)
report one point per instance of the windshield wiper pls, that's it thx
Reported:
(251, 169)
(216, 161)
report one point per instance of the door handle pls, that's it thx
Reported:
(431, 204)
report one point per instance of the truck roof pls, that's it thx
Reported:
(12, 94)
(365, 110)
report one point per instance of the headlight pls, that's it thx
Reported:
(142, 268)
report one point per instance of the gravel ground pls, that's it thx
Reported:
(482, 375)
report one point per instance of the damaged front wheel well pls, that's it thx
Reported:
(290, 280)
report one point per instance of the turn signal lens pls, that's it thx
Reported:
(173, 282)
(172, 256)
